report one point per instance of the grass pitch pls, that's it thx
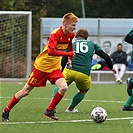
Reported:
(27, 116)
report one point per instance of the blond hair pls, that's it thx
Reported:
(81, 32)
(70, 18)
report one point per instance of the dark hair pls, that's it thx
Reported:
(81, 32)
(119, 44)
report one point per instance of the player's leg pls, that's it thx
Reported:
(37, 78)
(15, 99)
(63, 64)
(54, 91)
(69, 80)
(62, 85)
(129, 86)
(68, 77)
(127, 106)
(83, 83)
(77, 98)
(58, 79)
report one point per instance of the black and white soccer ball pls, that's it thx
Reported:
(98, 114)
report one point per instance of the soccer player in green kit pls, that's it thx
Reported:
(79, 71)
(127, 106)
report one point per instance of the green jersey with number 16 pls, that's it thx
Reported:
(85, 50)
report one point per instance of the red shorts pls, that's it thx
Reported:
(39, 78)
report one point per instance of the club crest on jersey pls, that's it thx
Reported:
(69, 39)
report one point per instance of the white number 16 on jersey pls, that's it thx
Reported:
(82, 47)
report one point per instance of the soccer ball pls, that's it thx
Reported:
(98, 114)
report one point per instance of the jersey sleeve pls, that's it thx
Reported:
(53, 39)
(97, 48)
(106, 57)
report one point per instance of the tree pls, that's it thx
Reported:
(57, 8)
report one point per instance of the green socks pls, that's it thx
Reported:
(129, 100)
(78, 97)
(54, 91)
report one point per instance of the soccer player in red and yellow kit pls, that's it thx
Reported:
(47, 66)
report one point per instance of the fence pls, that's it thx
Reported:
(104, 31)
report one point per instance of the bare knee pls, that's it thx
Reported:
(62, 90)
(62, 85)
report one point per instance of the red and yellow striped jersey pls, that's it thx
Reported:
(59, 41)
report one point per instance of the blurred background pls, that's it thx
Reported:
(107, 22)
(57, 8)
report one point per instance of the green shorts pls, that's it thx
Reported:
(82, 81)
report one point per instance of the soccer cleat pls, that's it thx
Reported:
(50, 114)
(5, 116)
(55, 110)
(129, 86)
(128, 108)
(71, 110)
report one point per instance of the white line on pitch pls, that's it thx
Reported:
(105, 101)
(68, 121)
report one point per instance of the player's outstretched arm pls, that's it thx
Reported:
(107, 58)
(54, 52)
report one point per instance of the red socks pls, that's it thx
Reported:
(11, 104)
(56, 99)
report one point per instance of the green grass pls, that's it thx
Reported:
(27, 116)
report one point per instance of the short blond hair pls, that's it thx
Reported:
(70, 18)
(81, 32)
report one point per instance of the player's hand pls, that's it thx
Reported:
(69, 63)
(74, 53)
(114, 71)
(71, 53)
